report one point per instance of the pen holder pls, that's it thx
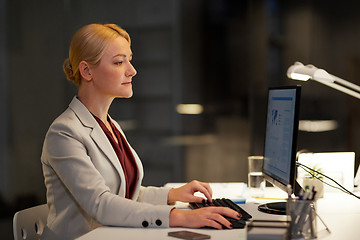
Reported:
(302, 214)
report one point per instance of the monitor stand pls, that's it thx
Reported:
(278, 208)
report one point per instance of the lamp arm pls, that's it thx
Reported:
(347, 84)
(341, 85)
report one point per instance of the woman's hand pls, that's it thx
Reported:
(202, 217)
(186, 192)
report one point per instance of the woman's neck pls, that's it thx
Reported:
(96, 104)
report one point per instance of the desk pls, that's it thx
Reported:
(341, 213)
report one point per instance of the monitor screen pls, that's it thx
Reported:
(282, 121)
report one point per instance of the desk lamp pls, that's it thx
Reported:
(300, 72)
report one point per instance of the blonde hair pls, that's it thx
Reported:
(89, 44)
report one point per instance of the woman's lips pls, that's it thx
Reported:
(126, 83)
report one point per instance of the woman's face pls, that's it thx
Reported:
(113, 75)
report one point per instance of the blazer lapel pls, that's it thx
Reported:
(103, 143)
(99, 137)
(137, 160)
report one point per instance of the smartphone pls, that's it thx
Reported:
(188, 235)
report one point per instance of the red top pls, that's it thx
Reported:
(124, 155)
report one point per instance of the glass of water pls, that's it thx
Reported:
(256, 180)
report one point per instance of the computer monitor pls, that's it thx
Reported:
(282, 122)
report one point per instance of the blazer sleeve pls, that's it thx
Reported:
(154, 195)
(65, 152)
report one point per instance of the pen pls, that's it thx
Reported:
(301, 194)
(312, 230)
(289, 190)
(310, 197)
(313, 196)
(313, 193)
(306, 194)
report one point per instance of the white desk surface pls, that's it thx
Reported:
(340, 212)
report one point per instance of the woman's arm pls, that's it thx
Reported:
(186, 193)
(203, 217)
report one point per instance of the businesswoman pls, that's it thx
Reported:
(92, 174)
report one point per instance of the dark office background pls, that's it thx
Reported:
(223, 54)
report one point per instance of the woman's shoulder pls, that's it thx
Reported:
(65, 122)
(72, 119)
(74, 116)
(68, 117)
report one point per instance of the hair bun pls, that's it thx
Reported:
(68, 70)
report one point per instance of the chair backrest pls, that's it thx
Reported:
(29, 223)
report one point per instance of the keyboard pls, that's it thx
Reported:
(224, 202)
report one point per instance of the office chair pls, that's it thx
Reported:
(29, 223)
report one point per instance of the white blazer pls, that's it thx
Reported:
(86, 184)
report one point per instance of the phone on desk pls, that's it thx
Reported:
(188, 235)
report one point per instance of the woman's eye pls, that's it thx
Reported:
(118, 63)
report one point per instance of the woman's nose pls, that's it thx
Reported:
(131, 71)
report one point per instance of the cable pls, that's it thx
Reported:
(313, 175)
(314, 171)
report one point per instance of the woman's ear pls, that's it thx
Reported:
(85, 70)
